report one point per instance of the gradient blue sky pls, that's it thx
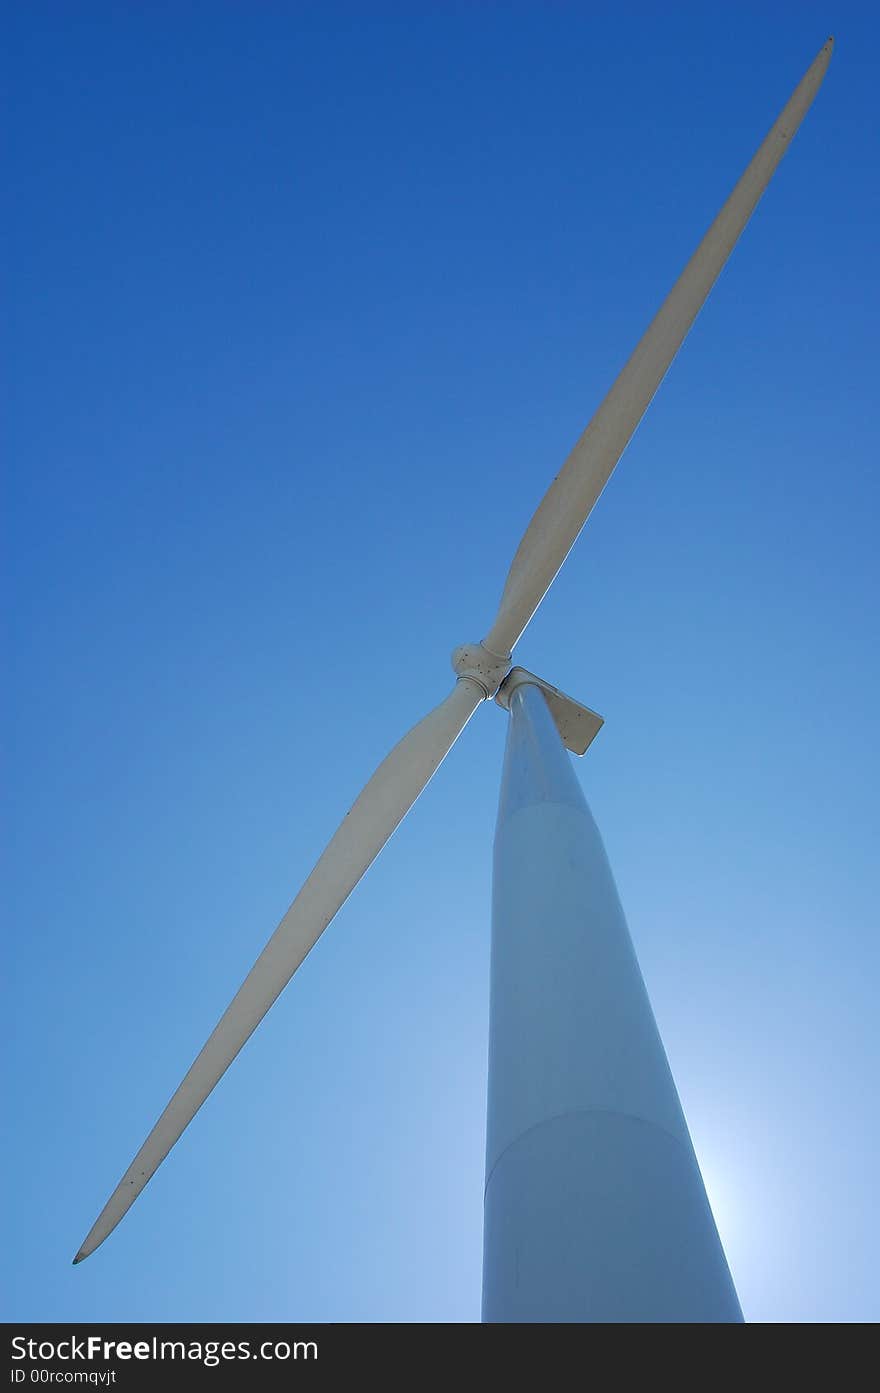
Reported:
(308, 304)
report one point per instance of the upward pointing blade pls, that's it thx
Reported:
(570, 498)
(381, 805)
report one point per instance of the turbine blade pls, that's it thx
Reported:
(382, 804)
(573, 493)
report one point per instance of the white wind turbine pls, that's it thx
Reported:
(595, 1208)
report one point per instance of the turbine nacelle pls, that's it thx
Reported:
(578, 726)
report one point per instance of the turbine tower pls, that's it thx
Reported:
(595, 1209)
(594, 1205)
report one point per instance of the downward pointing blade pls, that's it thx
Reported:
(570, 498)
(382, 804)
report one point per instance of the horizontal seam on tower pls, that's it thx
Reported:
(579, 1112)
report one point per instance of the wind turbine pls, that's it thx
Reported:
(595, 1208)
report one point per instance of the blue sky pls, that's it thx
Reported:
(308, 303)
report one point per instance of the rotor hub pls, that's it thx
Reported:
(481, 665)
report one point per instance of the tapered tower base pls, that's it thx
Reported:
(595, 1209)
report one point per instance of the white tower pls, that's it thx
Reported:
(595, 1209)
